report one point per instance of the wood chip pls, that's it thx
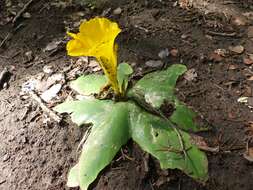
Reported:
(51, 113)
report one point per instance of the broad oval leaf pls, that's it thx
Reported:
(86, 111)
(159, 86)
(103, 143)
(89, 84)
(73, 179)
(109, 132)
(184, 117)
(157, 137)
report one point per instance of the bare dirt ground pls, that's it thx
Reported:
(37, 155)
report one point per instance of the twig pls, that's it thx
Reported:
(2, 182)
(210, 149)
(21, 11)
(5, 57)
(151, 185)
(5, 39)
(145, 160)
(86, 135)
(141, 28)
(9, 35)
(126, 156)
(51, 114)
(246, 154)
(223, 34)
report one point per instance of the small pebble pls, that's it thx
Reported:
(154, 63)
(48, 69)
(117, 11)
(26, 15)
(236, 49)
(29, 55)
(164, 53)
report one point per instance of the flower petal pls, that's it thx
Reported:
(77, 46)
(100, 30)
(97, 38)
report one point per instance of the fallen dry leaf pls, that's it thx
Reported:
(93, 63)
(48, 69)
(247, 61)
(51, 93)
(221, 52)
(82, 60)
(190, 75)
(185, 4)
(239, 20)
(201, 144)
(215, 57)
(236, 49)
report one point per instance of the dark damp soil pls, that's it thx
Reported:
(37, 155)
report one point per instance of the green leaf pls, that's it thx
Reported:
(92, 84)
(109, 132)
(89, 84)
(86, 111)
(157, 137)
(114, 123)
(124, 71)
(184, 117)
(159, 86)
(103, 143)
(73, 180)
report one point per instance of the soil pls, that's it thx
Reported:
(35, 154)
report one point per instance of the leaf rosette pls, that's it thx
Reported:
(114, 123)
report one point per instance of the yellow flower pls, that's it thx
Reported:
(97, 38)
